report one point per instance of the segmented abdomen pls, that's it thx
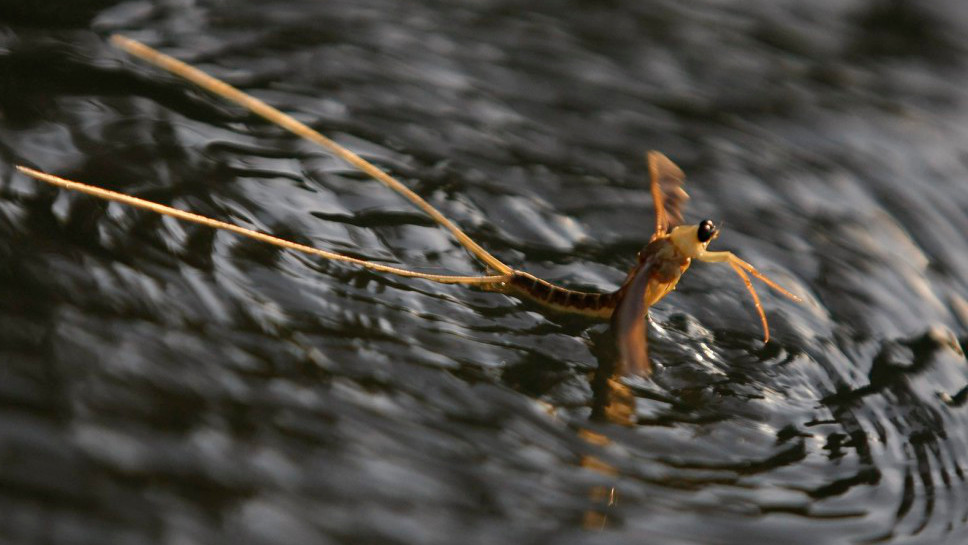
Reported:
(592, 304)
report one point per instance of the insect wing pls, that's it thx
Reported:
(630, 318)
(670, 198)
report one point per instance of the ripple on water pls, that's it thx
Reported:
(159, 381)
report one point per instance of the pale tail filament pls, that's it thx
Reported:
(287, 122)
(216, 224)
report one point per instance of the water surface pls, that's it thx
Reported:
(163, 383)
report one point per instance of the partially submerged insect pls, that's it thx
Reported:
(660, 264)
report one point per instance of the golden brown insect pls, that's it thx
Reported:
(661, 263)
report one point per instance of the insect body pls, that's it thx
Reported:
(660, 264)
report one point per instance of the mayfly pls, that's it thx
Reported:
(660, 264)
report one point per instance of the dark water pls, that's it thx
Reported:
(161, 383)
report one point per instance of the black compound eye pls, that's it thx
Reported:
(706, 230)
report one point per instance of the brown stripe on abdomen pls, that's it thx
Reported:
(594, 304)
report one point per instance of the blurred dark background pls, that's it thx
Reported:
(163, 383)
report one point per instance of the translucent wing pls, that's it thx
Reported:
(667, 180)
(655, 276)
(629, 326)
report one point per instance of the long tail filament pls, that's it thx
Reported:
(216, 224)
(273, 115)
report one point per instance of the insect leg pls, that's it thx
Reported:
(733, 260)
(756, 299)
(741, 268)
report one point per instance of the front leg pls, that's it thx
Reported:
(741, 268)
